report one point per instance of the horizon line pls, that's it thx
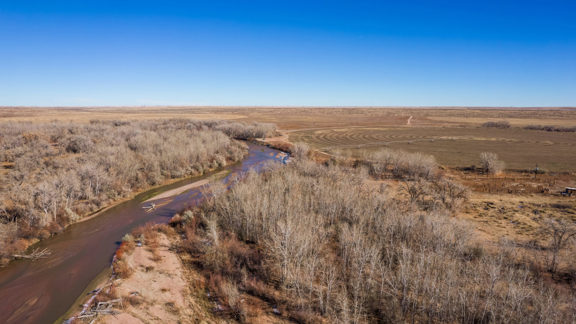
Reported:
(284, 106)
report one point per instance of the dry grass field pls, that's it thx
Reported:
(454, 136)
(453, 146)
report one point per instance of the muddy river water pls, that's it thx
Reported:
(42, 291)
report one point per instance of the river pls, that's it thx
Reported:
(42, 291)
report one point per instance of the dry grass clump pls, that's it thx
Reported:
(133, 300)
(62, 171)
(228, 294)
(148, 236)
(107, 293)
(497, 124)
(122, 269)
(319, 243)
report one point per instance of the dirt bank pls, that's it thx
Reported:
(157, 290)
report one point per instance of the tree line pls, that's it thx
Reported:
(56, 173)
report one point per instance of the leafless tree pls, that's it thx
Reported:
(560, 233)
(490, 163)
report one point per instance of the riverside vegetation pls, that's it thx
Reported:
(332, 243)
(382, 235)
(56, 173)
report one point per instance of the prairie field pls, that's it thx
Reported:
(456, 146)
(454, 136)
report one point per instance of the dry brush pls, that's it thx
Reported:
(56, 173)
(321, 242)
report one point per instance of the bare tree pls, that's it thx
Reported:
(560, 233)
(490, 163)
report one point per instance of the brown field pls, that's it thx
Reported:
(454, 146)
(453, 135)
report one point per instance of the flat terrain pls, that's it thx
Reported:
(455, 146)
(453, 135)
(514, 206)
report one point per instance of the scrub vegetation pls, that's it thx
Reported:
(330, 242)
(550, 128)
(363, 225)
(56, 173)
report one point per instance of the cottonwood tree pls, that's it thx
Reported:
(490, 163)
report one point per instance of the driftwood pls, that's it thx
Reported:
(102, 308)
(150, 208)
(34, 255)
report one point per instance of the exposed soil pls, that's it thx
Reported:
(157, 291)
(177, 191)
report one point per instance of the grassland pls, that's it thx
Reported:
(454, 136)
(455, 146)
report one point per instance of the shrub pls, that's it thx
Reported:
(300, 151)
(78, 144)
(128, 238)
(490, 163)
(401, 164)
(122, 269)
(549, 128)
(497, 124)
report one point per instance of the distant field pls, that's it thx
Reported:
(454, 146)
(453, 135)
(86, 114)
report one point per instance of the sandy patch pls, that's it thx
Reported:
(159, 286)
(179, 190)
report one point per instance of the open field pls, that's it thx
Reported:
(454, 136)
(453, 146)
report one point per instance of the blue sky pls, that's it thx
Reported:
(288, 53)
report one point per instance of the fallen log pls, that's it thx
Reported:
(149, 208)
(34, 255)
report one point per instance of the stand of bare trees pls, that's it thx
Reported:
(55, 173)
(323, 242)
(560, 233)
(400, 164)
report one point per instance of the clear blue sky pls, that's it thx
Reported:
(475, 53)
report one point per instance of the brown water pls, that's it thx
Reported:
(43, 290)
